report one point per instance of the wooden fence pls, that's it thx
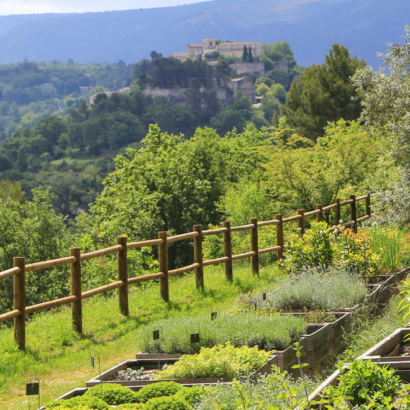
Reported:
(77, 295)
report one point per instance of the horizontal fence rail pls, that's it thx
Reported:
(74, 260)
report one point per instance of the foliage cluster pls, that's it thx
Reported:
(217, 362)
(324, 93)
(267, 333)
(157, 396)
(367, 385)
(30, 91)
(276, 390)
(321, 248)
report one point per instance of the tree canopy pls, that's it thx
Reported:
(324, 94)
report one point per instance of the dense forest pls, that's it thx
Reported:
(73, 147)
(133, 164)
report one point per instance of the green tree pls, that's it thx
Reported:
(171, 184)
(324, 93)
(31, 229)
(250, 56)
(245, 54)
(385, 96)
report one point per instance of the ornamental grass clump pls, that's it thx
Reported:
(267, 333)
(318, 290)
(217, 362)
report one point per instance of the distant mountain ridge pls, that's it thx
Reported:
(310, 26)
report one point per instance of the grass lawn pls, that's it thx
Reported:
(61, 358)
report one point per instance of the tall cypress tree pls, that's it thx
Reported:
(250, 56)
(245, 54)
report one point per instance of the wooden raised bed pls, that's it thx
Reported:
(386, 353)
(158, 363)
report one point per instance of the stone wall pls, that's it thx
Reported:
(242, 68)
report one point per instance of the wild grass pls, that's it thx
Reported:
(60, 357)
(369, 329)
(317, 290)
(268, 333)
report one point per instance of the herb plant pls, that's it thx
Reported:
(366, 380)
(155, 390)
(219, 361)
(92, 402)
(113, 394)
(268, 333)
(167, 403)
(318, 290)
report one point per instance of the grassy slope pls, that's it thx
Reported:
(61, 358)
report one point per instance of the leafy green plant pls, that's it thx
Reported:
(274, 391)
(268, 333)
(355, 252)
(113, 394)
(218, 361)
(131, 406)
(161, 389)
(167, 403)
(312, 250)
(366, 380)
(319, 316)
(192, 395)
(391, 241)
(92, 402)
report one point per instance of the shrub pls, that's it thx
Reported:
(113, 394)
(134, 406)
(354, 252)
(167, 403)
(192, 395)
(161, 389)
(366, 380)
(274, 391)
(218, 361)
(315, 289)
(312, 251)
(93, 403)
(268, 333)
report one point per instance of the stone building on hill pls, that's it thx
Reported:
(226, 48)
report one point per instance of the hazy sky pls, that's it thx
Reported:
(80, 6)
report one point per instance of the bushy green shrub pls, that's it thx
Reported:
(93, 403)
(167, 403)
(218, 361)
(313, 250)
(367, 380)
(192, 395)
(113, 394)
(133, 406)
(158, 390)
(78, 407)
(268, 333)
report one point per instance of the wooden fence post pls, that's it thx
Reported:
(255, 246)
(319, 216)
(123, 275)
(198, 257)
(353, 215)
(77, 306)
(20, 303)
(368, 209)
(337, 212)
(301, 221)
(163, 265)
(228, 251)
(279, 236)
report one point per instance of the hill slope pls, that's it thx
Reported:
(311, 27)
